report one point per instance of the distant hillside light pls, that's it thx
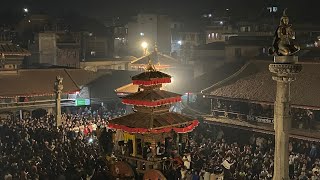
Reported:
(26, 10)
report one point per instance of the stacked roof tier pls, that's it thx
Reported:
(161, 123)
(151, 105)
(151, 77)
(151, 98)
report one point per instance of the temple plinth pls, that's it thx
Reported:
(284, 70)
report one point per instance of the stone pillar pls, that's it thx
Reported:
(20, 114)
(58, 90)
(50, 111)
(284, 69)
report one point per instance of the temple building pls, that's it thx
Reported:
(26, 90)
(11, 56)
(245, 100)
(151, 124)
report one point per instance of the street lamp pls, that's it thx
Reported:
(26, 10)
(144, 45)
(180, 42)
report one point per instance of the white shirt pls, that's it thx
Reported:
(94, 127)
(76, 129)
(186, 162)
(226, 164)
(206, 176)
(183, 173)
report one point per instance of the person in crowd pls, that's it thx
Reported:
(160, 150)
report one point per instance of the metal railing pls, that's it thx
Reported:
(37, 103)
(241, 116)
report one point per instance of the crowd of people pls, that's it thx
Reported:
(211, 156)
(34, 148)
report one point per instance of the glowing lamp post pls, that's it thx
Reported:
(144, 45)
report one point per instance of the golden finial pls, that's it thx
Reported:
(150, 66)
(285, 12)
(155, 47)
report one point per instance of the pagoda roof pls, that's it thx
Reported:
(140, 123)
(127, 89)
(148, 75)
(152, 98)
(130, 89)
(40, 82)
(13, 50)
(159, 59)
(253, 83)
(151, 77)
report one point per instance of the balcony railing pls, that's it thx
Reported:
(37, 104)
(241, 116)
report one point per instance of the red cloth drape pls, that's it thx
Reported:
(151, 81)
(186, 129)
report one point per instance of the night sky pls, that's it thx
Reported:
(105, 8)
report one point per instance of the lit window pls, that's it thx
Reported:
(270, 9)
(274, 9)
(212, 35)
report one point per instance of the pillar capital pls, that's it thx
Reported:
(285, 70)
(285, 79)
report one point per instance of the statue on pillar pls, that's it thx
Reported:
(59, 80)
(58, 86)
(284, 39)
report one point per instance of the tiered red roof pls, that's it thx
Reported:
(152, 98)
(149, 78)
(152, 105)
(140, 123)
